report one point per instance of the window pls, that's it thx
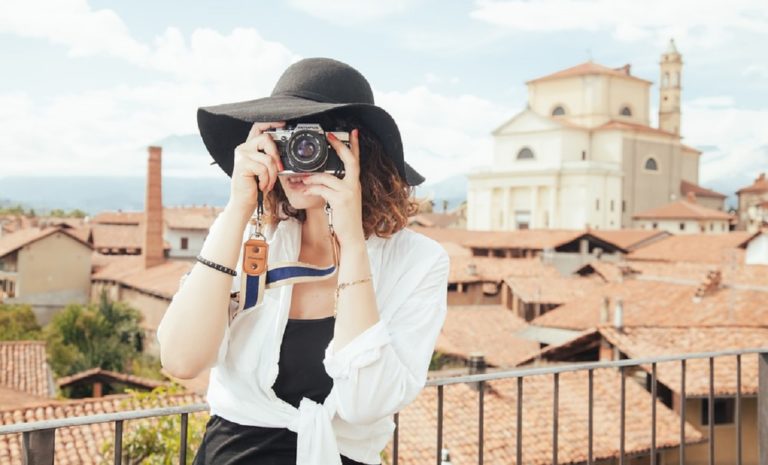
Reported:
(525, 154)
(655, 225)
(522, 219)
(623, 206)
(611, 204)
(558, 111)
(184, 243)
(583, 154)
(665, 81)
(725, 409)
(625, 111)
(597, 204)
(682, 226)
(651, 165)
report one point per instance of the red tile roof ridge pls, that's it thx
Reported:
(682, 209)
(700, 191)
(586, 68)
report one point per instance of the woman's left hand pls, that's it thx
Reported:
(344, 195)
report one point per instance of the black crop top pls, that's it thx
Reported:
(301, 374)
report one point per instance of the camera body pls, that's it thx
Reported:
(303, 148)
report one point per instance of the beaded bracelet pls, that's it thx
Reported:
(216, 266)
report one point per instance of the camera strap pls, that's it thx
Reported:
(257, 276)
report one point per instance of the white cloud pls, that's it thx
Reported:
(74, 24)
(349, 12)
(443, 135)
(738, 133)
(706, 23)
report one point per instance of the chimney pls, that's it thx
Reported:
(710, 284)
(605, 310)
(618, 315)
(152, 247)
(690, 197)
(476, 364)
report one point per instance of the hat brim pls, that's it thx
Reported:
(224, 127)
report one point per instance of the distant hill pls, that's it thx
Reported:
(93, 194)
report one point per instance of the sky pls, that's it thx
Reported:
(87, 85)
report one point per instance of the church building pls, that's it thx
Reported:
(583, 153)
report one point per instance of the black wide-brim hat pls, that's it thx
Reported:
(311, 86)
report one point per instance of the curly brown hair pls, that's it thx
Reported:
(386, 197)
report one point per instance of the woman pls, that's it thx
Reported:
(313, 372)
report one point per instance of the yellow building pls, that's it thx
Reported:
(47, 268)
(583, 153)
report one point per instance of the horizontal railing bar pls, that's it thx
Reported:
(521, 372)
(102, 418)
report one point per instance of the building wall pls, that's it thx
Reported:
(690, 226)
(472, 294)
(644, 189)
(591, 100)
(55, 263)
(751, 217)
(711, 202)
(689, 166)
(195, 239)
(725, 436)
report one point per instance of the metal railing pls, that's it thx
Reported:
(38, 445)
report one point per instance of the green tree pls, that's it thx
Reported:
(18, 323)
(105, 335)
(156, 441)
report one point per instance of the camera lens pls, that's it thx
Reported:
(307, 150)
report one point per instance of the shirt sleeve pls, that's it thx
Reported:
(385, 367)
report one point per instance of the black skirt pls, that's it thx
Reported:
(301, 374)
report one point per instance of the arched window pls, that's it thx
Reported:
(558, 111)
(665, 81)
(651, 165)
(625, 111)
(525, 154)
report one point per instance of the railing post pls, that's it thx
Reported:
(762, 407)
(38, 447)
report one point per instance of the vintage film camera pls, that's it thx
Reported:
(303, 148)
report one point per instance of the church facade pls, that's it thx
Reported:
(583, 153)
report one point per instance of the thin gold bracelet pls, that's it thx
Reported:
(341, 286)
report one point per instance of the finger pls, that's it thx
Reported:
(259, 128)
(327, 180)
(325, 192)
(269, 162)
(351, 165)
(265, 144)
(251, 168)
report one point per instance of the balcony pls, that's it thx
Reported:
(654, 434)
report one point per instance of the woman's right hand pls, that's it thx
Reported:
(257, 156)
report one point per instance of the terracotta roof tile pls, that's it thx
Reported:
(760, 185)
(662, 303)
(124, 378)
(552, 289)
(484, 269)
(700, 191)
(13, 398)
(14, 241)
(627, 126)
(24, 367)
(417, 423)
(586, 68)
(487, 329)
(161, 280)
(701, 248)
(433, 220)
(118, 217)
(190, 217)
(684, 210)
(737, 274)
(534, 239)
(77, 444)
(629, 239)
(637, 342)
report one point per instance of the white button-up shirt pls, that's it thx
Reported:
(375, 375)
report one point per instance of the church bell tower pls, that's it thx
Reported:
(669, 90)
